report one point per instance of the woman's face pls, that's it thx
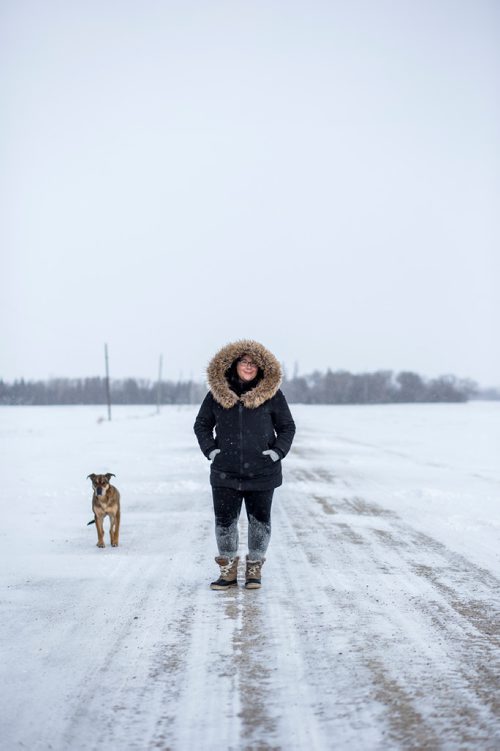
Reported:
(246, 368)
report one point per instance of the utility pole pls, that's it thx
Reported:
(108, 391)
(158, 388)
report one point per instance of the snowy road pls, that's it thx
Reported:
(377, 626)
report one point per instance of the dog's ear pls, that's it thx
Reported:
(109, 475)
(91, 477)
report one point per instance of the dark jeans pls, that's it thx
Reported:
(227, 507)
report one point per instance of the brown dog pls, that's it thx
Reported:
(105, 502)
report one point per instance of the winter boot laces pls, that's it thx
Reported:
(228, 573)
(253, 574)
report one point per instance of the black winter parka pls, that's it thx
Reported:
(247, 424)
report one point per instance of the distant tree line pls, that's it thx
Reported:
(381, 387)
(93, 391)
(339, 387)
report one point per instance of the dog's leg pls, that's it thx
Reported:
(112, 529)
(115, 529)
(100, 531)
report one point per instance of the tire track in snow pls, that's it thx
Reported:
(373, 539)
(327, 698)
(206, 705)
(253, 655)
(274, 691)
(142, 635)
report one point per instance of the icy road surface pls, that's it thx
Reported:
(377, 626)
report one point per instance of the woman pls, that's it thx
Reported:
(254, 430)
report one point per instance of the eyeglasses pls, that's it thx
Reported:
(248, 363)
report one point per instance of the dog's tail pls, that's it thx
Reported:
(92, 522)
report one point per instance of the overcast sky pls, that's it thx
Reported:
(320, 176)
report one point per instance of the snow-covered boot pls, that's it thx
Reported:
(228, 573)
(253, 574)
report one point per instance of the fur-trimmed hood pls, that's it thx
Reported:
(264, 390)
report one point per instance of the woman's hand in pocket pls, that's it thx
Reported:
(273, 454)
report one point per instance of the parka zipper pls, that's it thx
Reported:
(240, 418)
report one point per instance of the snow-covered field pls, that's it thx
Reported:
(377, 626)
